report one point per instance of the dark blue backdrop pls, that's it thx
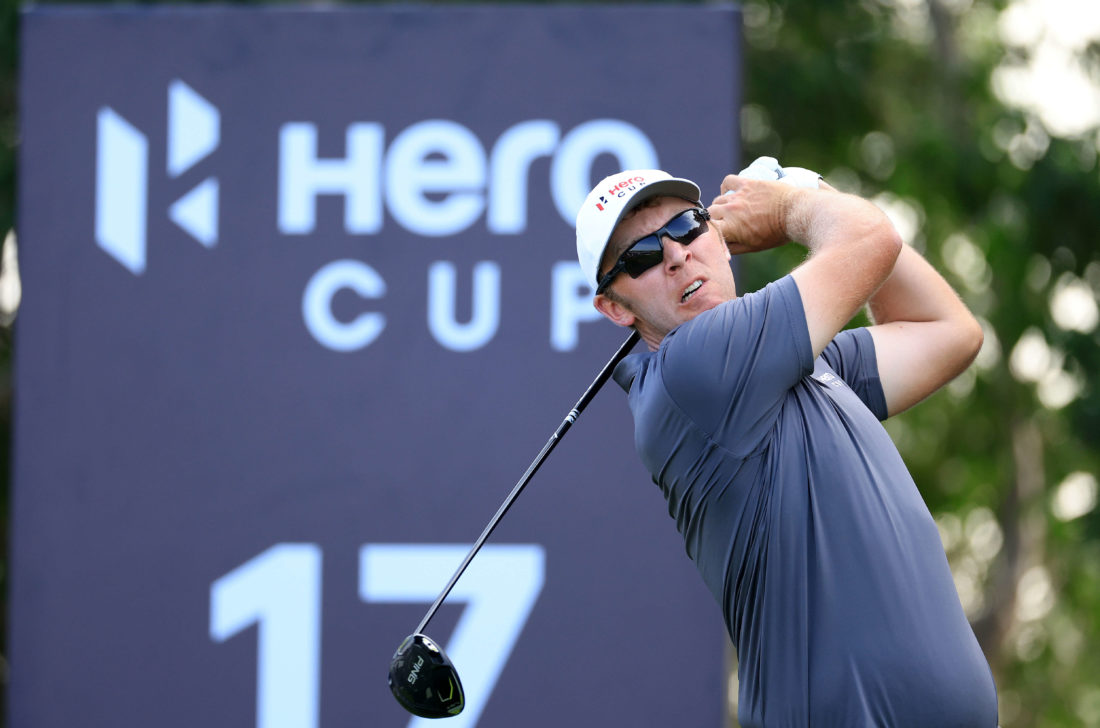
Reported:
(301, 304)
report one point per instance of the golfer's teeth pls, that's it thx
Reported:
(690, 290)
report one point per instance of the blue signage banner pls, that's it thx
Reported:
(301, 304)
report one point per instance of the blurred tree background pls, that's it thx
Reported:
(976, 125)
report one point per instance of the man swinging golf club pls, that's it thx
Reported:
(758, 418)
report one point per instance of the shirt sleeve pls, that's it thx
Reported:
(851, 354)
(729, 368)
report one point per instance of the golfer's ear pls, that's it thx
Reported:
(613, 310)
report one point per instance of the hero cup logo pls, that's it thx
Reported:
(122, 176)
(627, 185)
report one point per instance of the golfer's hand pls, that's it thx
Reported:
(754, 215)
(751, 214)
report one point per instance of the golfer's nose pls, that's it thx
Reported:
(675, 254)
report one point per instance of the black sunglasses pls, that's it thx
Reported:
(647, 252)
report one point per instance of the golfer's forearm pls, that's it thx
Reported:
(915, 291)
(924, 335)
(853, 248)
(845, 225)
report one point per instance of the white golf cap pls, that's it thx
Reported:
(610, 200)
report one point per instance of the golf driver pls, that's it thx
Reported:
(422, 678)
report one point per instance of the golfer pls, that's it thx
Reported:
(758, 417)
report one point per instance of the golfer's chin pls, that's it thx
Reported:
(702, 300)
(654, 330)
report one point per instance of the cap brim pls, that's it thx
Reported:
(674, 187)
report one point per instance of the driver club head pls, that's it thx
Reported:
(424, 681)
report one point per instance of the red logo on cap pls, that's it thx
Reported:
(627, 185)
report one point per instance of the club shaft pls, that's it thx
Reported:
(570, 418)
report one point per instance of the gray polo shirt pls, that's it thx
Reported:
(804, 522)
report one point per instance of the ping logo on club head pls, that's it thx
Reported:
(122, 176)
(414, 675)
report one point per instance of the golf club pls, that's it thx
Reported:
(422, 678)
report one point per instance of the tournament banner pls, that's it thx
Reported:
(301, 304)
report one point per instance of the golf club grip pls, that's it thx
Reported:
(570, 418)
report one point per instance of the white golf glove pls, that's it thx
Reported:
(768, 169)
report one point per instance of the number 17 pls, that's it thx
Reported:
(280, 590)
